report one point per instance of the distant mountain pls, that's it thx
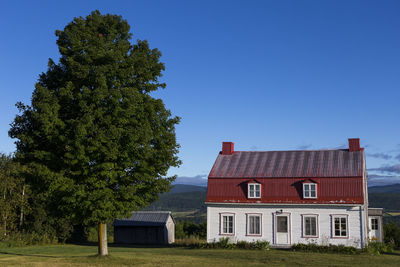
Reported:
(387, 201)
(394, 188)
(199, 180)
(182, 188)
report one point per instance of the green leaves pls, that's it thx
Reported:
(99, 144)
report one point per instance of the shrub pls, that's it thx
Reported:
(225, 243)
(312, 247)
(377, 248)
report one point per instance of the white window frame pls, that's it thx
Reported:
(309, 190)
(221, 220)
(316, 225)
(259, 215)
(254, 191)
(340, 216)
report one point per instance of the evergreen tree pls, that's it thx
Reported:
(97, 144)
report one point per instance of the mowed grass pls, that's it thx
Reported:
(76, 255)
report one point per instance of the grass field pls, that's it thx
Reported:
(76, 255)
(394, 213)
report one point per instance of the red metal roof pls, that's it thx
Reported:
(338, 174)
(285, 164)
(347, 190)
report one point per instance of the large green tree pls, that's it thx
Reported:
(96, 142)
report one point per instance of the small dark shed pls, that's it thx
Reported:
(145, 227)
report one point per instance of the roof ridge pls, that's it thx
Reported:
(303, 150)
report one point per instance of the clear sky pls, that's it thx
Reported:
(267, 75)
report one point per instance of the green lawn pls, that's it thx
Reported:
(68, 255)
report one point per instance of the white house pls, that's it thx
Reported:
(289, 197)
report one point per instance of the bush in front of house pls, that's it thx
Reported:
(260, 245)
(373, 247)
(225, 243)
(377, 248)
(312, 247)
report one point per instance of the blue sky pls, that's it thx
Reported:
(267, 75)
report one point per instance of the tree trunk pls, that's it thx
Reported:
(5, 216)
(5, 226)
(103, 249)
(21, 215)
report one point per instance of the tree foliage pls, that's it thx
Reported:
(97, 144)
(12, 201)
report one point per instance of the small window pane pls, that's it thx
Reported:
(230, 224)
(257, 226)
(313, 226)
(312, 193)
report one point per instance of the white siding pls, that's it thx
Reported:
(354, 213)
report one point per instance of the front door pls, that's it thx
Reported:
(374, 228)
(282, 233)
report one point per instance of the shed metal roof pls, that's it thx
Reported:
(289, 164)
(144, 218)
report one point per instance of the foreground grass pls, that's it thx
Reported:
(76, 255)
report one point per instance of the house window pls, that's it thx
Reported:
(227, 224)
(254, 190)
(254, 224)
(310, 225)
(310, 190)
(374, 224)
(340, 228)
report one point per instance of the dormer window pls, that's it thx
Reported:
(310, 190)
(254, 190)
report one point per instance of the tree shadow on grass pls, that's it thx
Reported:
(395, 253)
(122, 245)
(37, 255)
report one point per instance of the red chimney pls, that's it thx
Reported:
(227, 148)
(354, 144)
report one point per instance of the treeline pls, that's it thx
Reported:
(188, 229)
(13, 200)
(186, 201)
(27, 218)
